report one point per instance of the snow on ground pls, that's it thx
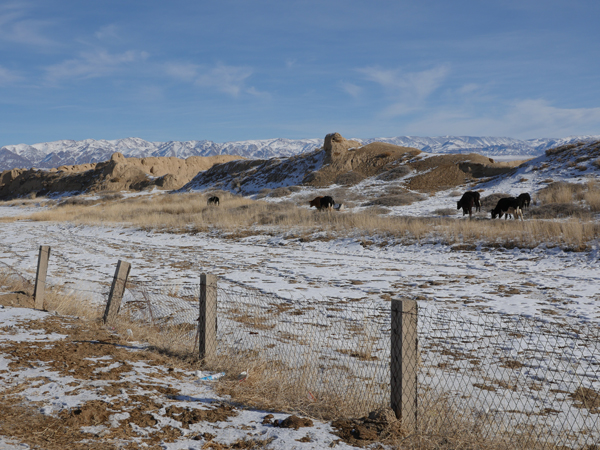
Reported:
(84, 255)
(530, 177)
(559, 287)
(45, 383)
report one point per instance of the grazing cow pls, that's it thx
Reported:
(476, 199)
(469, 200)
(327, 203)
(316, 202)
(507, 205)
(524, 200)
(515, 212)
(213, 201)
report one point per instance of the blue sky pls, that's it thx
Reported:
(236, 70)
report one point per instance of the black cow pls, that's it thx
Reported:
(213, 201)
(524, 200)
(507, 205)
(327, 202)
(469, 200)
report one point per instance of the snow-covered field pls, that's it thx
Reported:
(560, 287)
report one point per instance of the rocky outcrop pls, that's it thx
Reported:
(117, 174)
(336, 146)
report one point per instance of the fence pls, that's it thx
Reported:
(522, 382)
(511, 378)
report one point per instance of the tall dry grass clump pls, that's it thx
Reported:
(237, 216)
(560, 192)
(592, 196)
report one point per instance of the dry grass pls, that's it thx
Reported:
(273, 386)
(584, 196)
(238, 216)
(560, 192)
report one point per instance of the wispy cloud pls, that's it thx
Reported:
(230, 80)
(256, 93)
(8, 77)
(182, 71)
(16, 27)
(108, 32)
(527, 118)
(351, 89)
(227, 79)
(539, 117)
(92, 65)
(408, 91)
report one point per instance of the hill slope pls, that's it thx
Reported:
(69, 152)
(346, 163)
(117, 174)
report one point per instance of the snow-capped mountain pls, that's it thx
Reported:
(67, 152)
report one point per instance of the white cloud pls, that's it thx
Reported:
(8, 76)
(108, 32)
(227, 79)
(469, 88)
(92, 65)
(408, 91)
(256, 93)
(15, 27)
(230, 80)
(182, 71)
(538, 117)
(351, 89)
(527, 118)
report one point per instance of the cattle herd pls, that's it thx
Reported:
(506, 206)
(470, 200)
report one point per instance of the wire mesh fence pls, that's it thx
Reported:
(513, 377)
(325, 350)
(510, 378)
(523, 382)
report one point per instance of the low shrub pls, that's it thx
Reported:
(395, 173)
(406, 198)
(349, 178)
(445, 212)
(559, 210)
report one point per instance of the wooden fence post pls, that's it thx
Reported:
(207, 320)
(40, 278)
(116, 291)
(404, 363)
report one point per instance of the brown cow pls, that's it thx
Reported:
(316, 202)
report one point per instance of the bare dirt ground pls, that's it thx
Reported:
(71, 383)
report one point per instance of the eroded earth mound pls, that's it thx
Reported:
(345, 162)
(119, 173)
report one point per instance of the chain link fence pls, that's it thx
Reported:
(521, 381)
(511, 378)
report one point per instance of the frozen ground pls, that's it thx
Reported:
(129, 386)
(335, 269)
(560, 287)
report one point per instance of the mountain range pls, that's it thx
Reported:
(69, 152)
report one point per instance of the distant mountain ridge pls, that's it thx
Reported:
(69, 152)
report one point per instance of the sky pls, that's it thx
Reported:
(238, 70)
